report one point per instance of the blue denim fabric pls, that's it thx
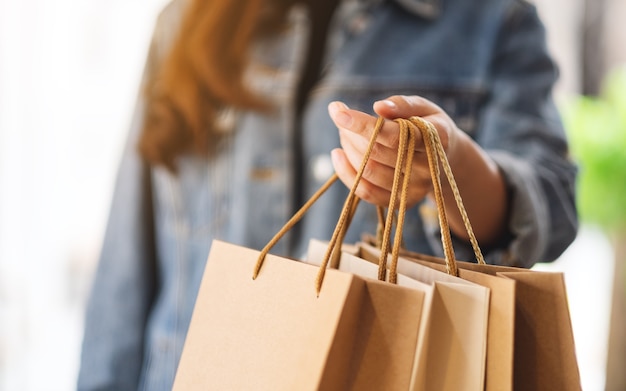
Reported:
(485, 62)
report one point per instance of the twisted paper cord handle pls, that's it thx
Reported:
(347, 208)
(430, 137)
(435, 154)
(402, 174)
(346, 213)
(459, 202)
(406, 149)
(403, 141)
(289, 224)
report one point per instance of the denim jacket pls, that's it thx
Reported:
(484, 62)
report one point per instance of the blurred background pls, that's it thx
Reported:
(69, 73)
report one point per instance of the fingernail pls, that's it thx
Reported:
(390, 104)
(334, 156)
(337, 111)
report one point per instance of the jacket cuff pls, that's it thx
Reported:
(526, 239)
(528, 213)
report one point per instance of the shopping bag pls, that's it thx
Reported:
(386, 337)
(544, 355)
(433, 374)
(501, 316)
(271, 333)
(264, 322)
(401, 312)
(451, 348)
(404, 328)
(452, 352)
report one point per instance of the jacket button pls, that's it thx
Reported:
(321, 167)
(358, 24)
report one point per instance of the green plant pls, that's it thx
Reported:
(596, 129)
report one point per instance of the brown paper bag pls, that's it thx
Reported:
(450, 354)
(390, 321)
(275, 328)
(275, 333)
(272, 333)
(500, 323)
(544, 356)
(386, 337)
(451, 348)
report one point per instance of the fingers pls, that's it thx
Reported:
(369, 190)
(366, 191)
(381, 163)
(362, 124)
(401, 106)
(355, 146)
(398, 106)
(355, 130)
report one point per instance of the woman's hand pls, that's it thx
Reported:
(355, 129)
(479, 180)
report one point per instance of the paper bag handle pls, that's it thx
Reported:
(435, 154)
(402, 174)
(343, 218)
(434, 146)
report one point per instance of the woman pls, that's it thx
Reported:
(244, 102)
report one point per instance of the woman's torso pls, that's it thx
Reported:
(248, 190)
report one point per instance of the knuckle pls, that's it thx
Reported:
(367, 192)
(369, 170)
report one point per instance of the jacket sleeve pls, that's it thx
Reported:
(521, 130)
(125, 280)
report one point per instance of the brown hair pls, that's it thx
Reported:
(202, 73)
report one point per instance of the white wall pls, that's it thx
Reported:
(615, 32)
(563, 28)
(68, 77)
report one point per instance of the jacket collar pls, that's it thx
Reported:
(428, 9)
